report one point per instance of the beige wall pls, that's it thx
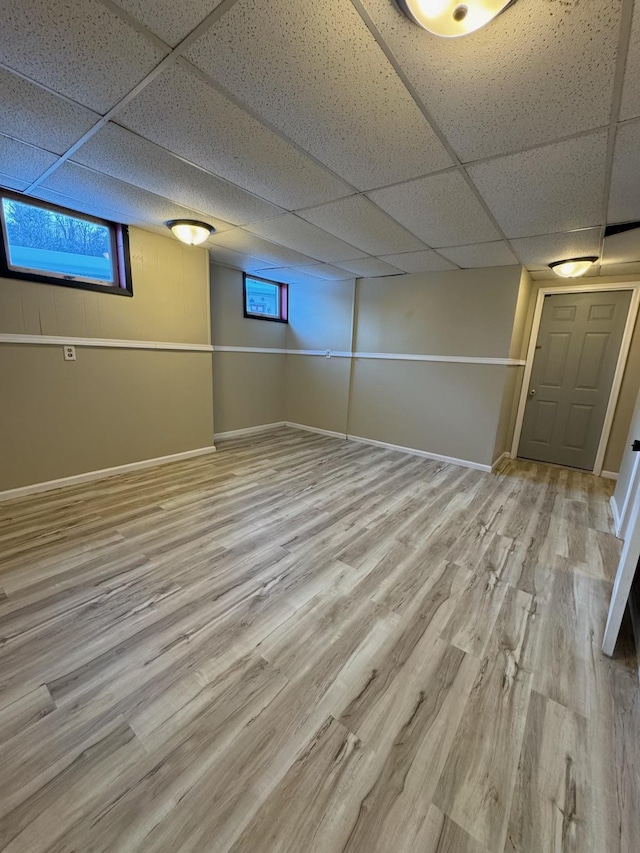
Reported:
(625, 406)
(317, 392)
(248, 388)
(108, 408)
(170, 299)
(229, 326)
(630, 382)
(508, 411)
(252, 389)
(515, 374)
(462, 312)
(321, 315)
(423, 405)
(112, 406)
(451, 409)
(443, 408)
(317, 388)
(519, 336)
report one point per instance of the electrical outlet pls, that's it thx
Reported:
(69, 353)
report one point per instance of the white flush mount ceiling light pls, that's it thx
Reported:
(574, 267)
(190, 231)
(452, 18)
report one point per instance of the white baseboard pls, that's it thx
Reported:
(496, 464)
(88, 476)
(615, 512)
(333, 434)
(232, 433)
(609, 475)
(451, 460)
(329, 432)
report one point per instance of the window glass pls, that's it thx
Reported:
(57, 244)
(264, 299)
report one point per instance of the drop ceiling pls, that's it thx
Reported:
(333, 139)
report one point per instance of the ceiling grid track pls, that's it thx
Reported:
(206, 78)
(167, 57)
(175, 56)
(274, 129)
(618, 83)
(168, 60)
(375, 32)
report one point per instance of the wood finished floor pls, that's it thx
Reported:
(302, 644)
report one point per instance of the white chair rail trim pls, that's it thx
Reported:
(394, 356)
(111, 343)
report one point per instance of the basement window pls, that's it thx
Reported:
(265, 300)
(49, 244)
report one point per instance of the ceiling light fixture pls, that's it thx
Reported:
(450, 18)
(190, 231)
(573, 267)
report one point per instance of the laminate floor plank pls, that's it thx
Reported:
(553, 808)
(440, 834)
(309, 644)
(567, 650)
(476, 611)
(476, 785)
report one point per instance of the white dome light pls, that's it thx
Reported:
(574, 267)
(190, 231)
(452, 18)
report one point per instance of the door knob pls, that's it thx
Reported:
(532, 393)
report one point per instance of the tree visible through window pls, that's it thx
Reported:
(265, 300)
(46, 243)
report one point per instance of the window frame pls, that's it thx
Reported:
(284, 299)
(119, 237)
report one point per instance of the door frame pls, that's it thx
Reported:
(623, 354)
(625, 574)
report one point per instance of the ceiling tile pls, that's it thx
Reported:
(304, 237)
(496, 254)
(181, 112)
(23, 162)
(93, 192)
(239, 240)
(442, 210)
(11, 183)
(41, 118)
(557, 187)
(76, 47)
(228, 258)
(547, 248)
(622, 248)
(630, 106)
(624, 195)
(419, 262)
(121, 154)
(291, 276)
(593, 271)
(315, 72)
(541, 71)
(167, 19)
(370, 267)
(620, 269)
(326, 271)
(363, 225)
